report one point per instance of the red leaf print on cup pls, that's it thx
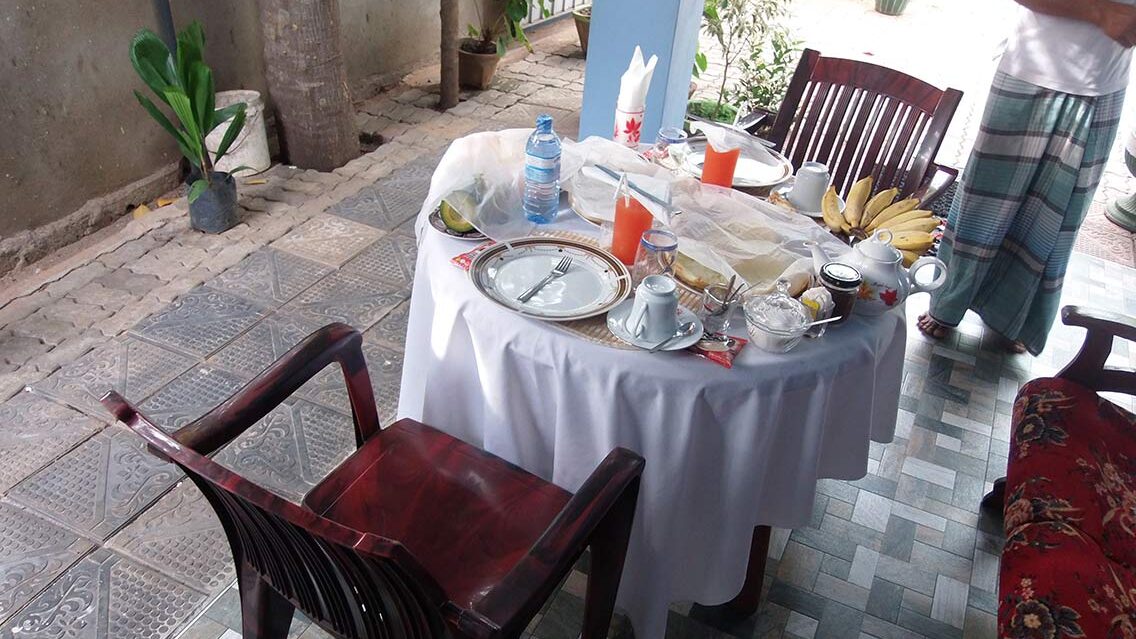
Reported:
(632, 128)
(889, 296)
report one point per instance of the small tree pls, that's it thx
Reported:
(741, 28)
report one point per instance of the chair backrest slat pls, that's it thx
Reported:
(863, 119)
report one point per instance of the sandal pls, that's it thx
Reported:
(932, 327)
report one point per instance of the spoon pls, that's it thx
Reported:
(683, 331)
(823, 321)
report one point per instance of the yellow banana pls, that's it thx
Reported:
(909, 257)
(917, 214)
(878, 203)
(830, 210)
(915, 241)
(927, 224)
(897, 209)
(857, 197)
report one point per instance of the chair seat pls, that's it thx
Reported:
(1056, 582)
(467, 515)
(1073, 462)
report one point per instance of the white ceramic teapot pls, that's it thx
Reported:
(886, 283)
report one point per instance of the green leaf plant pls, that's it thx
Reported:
(183, 82)
(507, 27)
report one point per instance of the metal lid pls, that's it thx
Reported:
(840, 276)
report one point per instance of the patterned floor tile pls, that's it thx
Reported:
(264, 343)
(292, 448)
(403, 198)
(391, 330)
(328, 239)
(105, 596)
(270, 277)
(346, 297)
(191, 395)
(181, 537)
(100, 485)
(33, 432)
(33, 552)
(369, 206)
(132, 367)
(385, 368)
(200, 322)
(389, 260)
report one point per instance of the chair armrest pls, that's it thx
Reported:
(332, 343)
(604, 505)
(943, 177)
(1088, 367)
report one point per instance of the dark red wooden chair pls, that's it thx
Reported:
(415, 535)
(862, 119)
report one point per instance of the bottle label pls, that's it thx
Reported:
(542, 169)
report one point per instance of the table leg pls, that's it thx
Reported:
(747, 601)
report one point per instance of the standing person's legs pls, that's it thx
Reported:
(1012, 143)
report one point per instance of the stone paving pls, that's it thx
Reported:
(97, 539)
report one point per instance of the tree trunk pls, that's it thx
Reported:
(449, 80)
(303, 64)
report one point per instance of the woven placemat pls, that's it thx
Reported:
(594, 329)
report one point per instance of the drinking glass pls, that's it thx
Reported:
(657, 252)
(670, 147)
(716, 309)
(631, 220)
(718, 166)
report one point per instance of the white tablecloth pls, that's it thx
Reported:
(726, 449)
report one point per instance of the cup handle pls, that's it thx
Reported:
(940, 276)
(634, 320)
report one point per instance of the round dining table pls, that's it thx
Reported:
(726, 449)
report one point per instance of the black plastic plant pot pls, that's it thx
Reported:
(215, 210)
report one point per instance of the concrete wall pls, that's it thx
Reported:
(76, 149)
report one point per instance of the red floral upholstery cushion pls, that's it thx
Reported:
(1070, 517)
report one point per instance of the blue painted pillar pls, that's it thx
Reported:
(666, 28)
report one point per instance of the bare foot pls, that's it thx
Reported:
(931, 327)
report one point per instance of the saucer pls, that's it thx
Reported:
(783, 191)
(617, 315)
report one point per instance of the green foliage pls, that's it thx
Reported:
(752, 37)
(184, 83)
(711, 110)
(506, 26)
(765, 73)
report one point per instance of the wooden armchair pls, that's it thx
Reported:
(416, 534)
(862, 119)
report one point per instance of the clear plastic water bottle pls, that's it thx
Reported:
(542, 172)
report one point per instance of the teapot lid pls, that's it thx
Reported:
(878, 247)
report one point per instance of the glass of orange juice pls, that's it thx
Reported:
(631, 220)
(718, 167)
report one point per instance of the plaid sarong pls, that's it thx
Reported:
(1031, 177)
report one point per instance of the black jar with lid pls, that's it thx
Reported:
(843, 283)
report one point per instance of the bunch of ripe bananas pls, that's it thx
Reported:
(910, 226)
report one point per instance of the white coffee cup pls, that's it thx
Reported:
(654, 314)
(809, 187)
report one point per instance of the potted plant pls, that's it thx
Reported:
(583, 18)
(499, 24)
(184, 83)
(891, 7)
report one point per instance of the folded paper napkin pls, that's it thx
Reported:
(632, 100)
(726, 138)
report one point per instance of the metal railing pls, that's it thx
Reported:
(557, 7)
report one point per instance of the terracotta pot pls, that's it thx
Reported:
(475, 70)
(891, 7)
(583, 18)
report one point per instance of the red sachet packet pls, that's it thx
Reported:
(720, 353)
(465, 260)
